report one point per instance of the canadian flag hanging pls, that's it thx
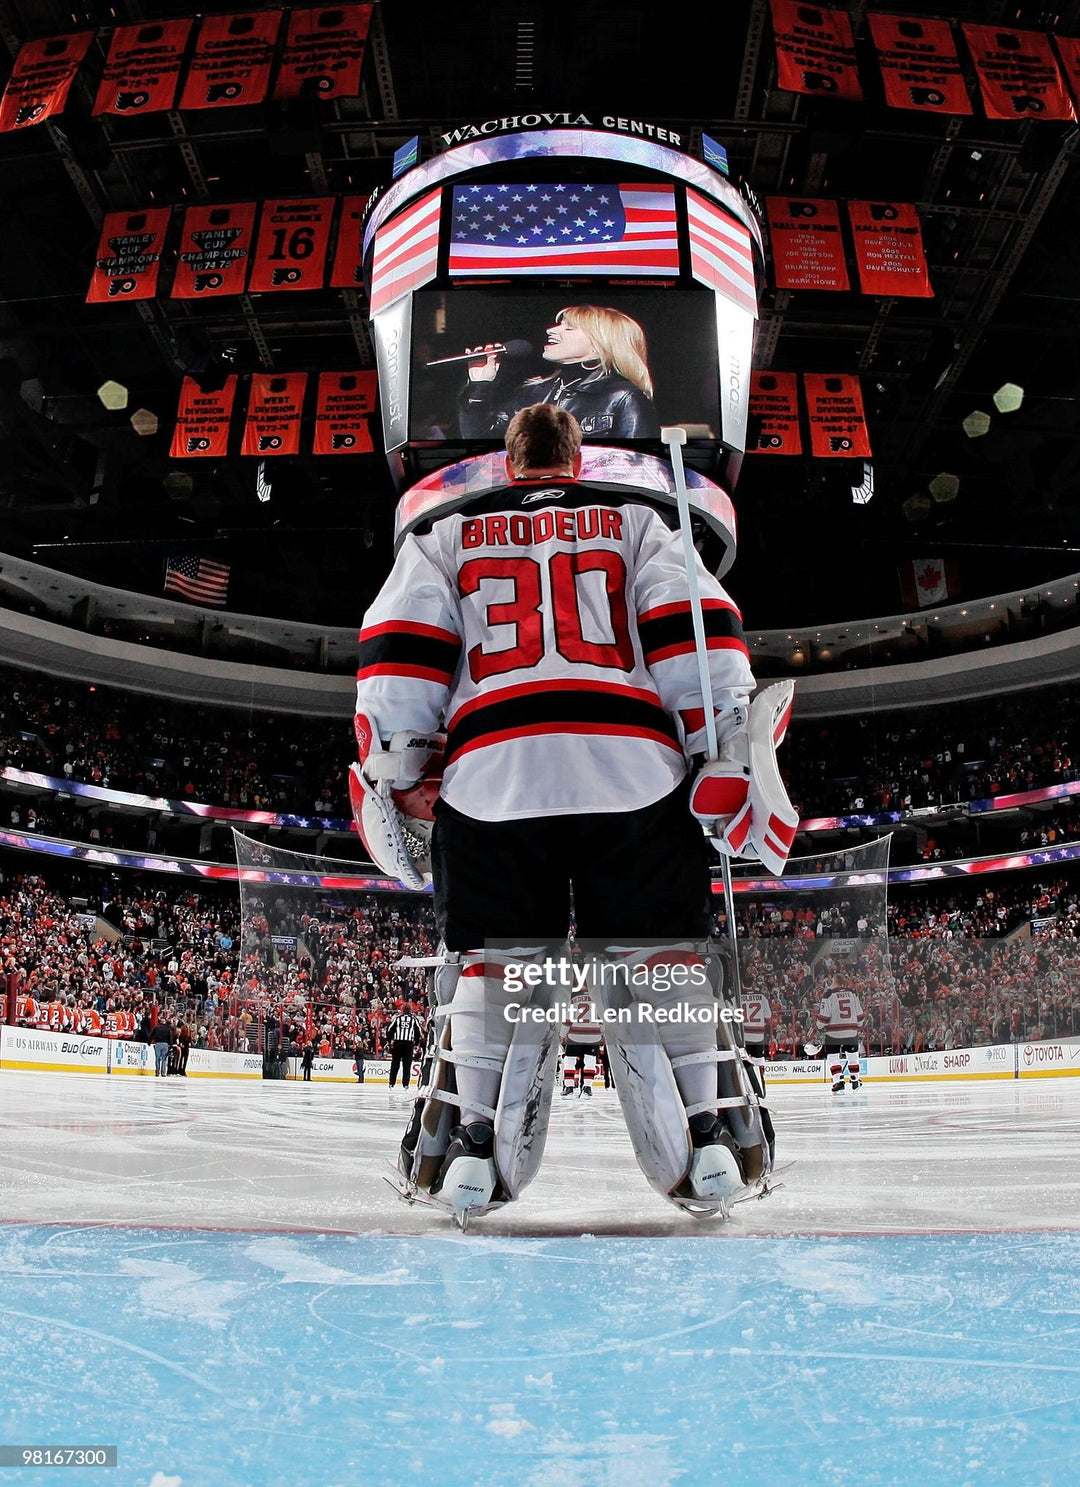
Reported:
(341, 418)
(41, 79)
(128, 257)
(928, 581)
(143, 69)
(888, 249)
(215, 249)
(273, 417)
(202, 421)
(815, 50)
(324, 52)
(232, 61)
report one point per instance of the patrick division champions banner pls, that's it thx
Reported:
(837, 423)
(774, 413)
(341, 415)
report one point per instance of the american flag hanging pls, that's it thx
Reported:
(564, 229)
(720, 252)
(406, 252)
(200, 580)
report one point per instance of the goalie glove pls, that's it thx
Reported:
(392, 792)
(721, 786)
(767, 823)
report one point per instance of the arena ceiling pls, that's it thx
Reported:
(1000, 210)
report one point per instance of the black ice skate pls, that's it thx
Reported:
(838, 1087)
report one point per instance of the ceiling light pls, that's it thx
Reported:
(1008, 397)
(976, 424)
(863, 493)
(113, 395)
(945, 487)
(144, 422)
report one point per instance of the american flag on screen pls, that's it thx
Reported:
(406, 252)
(720, 252)
(200, 580)
(564, 229)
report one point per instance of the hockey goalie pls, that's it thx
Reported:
(531, 727)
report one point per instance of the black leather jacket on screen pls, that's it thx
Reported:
(606, 405)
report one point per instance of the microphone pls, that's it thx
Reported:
(499, 348)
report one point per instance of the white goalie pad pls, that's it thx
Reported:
(399, 844)
(767, 824)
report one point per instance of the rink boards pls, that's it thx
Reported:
(1051, 1059)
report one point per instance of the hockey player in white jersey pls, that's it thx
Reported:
(581, 1048)
(546, 628)
(840, 1018)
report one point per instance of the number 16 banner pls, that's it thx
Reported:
(290, 252)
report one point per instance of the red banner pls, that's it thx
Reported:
(215, 250)
(888, 249)
(232, 60)
(1018, 73)
(837, 423)
(143, 69)
(774, 413)
(40, 80)
(919, 64)
(346, 272)
(1068, 49)
(345, 400)
(128, 257)
(324, 52)
(273, 416)
(815, 50)
(808, 251)
(291, 248)
(202, 421)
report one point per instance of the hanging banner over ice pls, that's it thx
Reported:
(815, 50)
(888, 248)
(919, 64)
(1018, 73)
(808, 251)
(324, 52)
(349, 254)
(341, 417)
(232, 61)
(837, 422)
(41, 79)
(273, 417)
(215, 248)
(774, 413)
(128, 257)
(143, 68)
(291, 249)
(202, 421)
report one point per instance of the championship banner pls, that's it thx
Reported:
(888, 249)
(128, 256)
(202, 421)
(215, 249)
(291, 249)
(815, 50)
(232, 61)
(808, 251)
(347, 272)
(837, 423)
(341, 423)
(41, 78)
(774, 413)
(143, 68)
(1068, 49)
(919, 63)
(324, 53)
(1018, 73)
(273, 416)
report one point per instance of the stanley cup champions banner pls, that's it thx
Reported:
(815, 50)
(215, 250)
(919, 64)
(128, 256)
(232, 61)
(41, 78)
(143, 70)
(273, 417)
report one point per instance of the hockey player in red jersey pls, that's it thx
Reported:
(537, 646)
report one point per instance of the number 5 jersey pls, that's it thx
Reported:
(546, 628)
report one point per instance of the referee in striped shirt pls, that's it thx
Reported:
(403, 1034)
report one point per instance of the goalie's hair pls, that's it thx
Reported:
(542, 437)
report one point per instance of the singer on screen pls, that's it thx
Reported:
(601, 377)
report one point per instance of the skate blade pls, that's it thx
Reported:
(414, 1196)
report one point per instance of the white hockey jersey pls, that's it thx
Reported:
(546, 628)
(840, 1015)
(756, 1016)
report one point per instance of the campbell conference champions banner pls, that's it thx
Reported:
(774, 413)
(41, 79)
(215, 250)
(888, 249)
(919, 64)
(143, 69)
(128, 257)
(815, 50)
(807, 249)
(1018, 73)
(202, 421)
(232, 61)
(324, 52)
(837, 422)
(273, 416)
(341, 424)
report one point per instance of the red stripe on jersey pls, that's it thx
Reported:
(532, 689)
(693, 718)
(782, 831)
(533, 730)
(682, 606)
(739, 829)
(484, 968)
(687, 647)
(421, 673)
(409, 627)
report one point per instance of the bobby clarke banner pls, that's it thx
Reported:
(129, 255)
(215, 249)
(815, 50)
(143, 70)
(324, 52)
(341, 417)
(202, 421)
(837, 423)
(919, 64)
(774, 413)
(808, 252)
(888, 248)
(41, 78)
(273, 418)
(1018, 74)
(232, 61)
(291, 249)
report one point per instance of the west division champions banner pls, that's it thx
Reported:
(808, 252)
(348, 256)
(232, 60)
(888, 248)
(273, 417)
(128, 255)
(837, 423)
(324, 53)
(815, 50)
(143, 69)
(202, 421)
(291, 249)
(1018, 74)
(215, 249)
(41, 78)
(919, 64)
(341, 417)
(774, 413)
